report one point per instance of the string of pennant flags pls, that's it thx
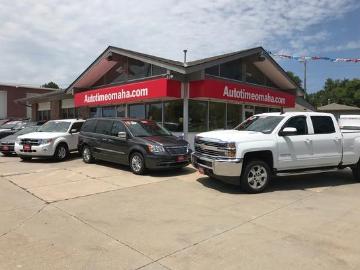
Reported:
(307, 58)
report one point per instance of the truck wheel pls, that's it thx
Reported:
(61, 152)
(255, 176)
(137, 163)
(24, 158)
(356, 171)
(87, 155)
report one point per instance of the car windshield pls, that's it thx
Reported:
(27, 130)
(55, 126)
(10, 125)
(146, 128)
(260, 123)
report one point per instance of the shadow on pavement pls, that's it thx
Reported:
(300, 182)
(155, 173)
(72, 156)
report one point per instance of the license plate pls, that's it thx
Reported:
(201, 170)
(27, 147)
(180, 158)
(5, 148)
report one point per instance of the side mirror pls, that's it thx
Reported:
(122, 135)
(74, 130)
(288, 131)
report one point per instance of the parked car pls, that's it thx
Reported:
(349, 123)
(7, 144)
(276, 144)
(12, 127)
(142, 144)
(56, 138)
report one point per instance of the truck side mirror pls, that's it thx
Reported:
(122, 135)
(288, 131)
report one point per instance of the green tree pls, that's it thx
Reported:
(50, 85)
(344, 91)
(295, 78)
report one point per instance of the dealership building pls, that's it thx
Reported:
(186, 97)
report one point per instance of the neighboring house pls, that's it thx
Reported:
(339, 109)
(301, 105)
(11, 92)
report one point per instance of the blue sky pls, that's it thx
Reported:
(56, 40)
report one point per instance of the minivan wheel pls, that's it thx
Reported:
(255, 176)
(137, 163)
(61, 152)
(87, 155)
(356, 171)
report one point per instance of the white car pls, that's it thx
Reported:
(56, 138)
(349, 123)
(276, 144)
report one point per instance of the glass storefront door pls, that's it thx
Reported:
(248, 111)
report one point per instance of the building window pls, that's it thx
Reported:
(198, 116)
(254, 75)
(156, 70)
(232, 70)
(120, 110)
(173, 115)
(217, 114)
(95, 112)
(136, 111)
(43, 115)
(69, 113)
(215, 71)
(234, 115)
(259, 110)
(154, 111)
(109, 111)
(138, 69)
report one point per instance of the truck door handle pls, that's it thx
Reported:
(308, 141)
(104, 140)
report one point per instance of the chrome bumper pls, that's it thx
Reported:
(221, 167)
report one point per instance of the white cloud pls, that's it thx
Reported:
(56, 40)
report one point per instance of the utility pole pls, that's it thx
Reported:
(305, 62)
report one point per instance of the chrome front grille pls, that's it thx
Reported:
(29, 141)
(177, 150)
(216, 149)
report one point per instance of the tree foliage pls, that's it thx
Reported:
(345, 92)
(295, 78)
(50, 85)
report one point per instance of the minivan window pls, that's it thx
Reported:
(103, 127)
(323, 124)
(146, 128)
(117, 127)
(89, 126)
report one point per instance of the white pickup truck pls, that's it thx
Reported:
(276, 144)
(56, 138)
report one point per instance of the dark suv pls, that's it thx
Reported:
(142, 144)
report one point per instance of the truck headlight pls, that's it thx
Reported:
(231, 150)
(156, 148)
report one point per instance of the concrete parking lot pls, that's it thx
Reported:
(72, 215)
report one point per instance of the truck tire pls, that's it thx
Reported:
(25, 158)
(356, 171)
(255, 176)
(87, 154)
(61, 152)
(137, 163)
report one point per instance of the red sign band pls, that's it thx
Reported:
(151, 89)
(221, 89)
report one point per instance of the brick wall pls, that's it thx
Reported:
(17, 110)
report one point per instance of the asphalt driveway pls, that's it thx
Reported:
(72, 215)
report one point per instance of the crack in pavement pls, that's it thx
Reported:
(24, 221)
(108, 235)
